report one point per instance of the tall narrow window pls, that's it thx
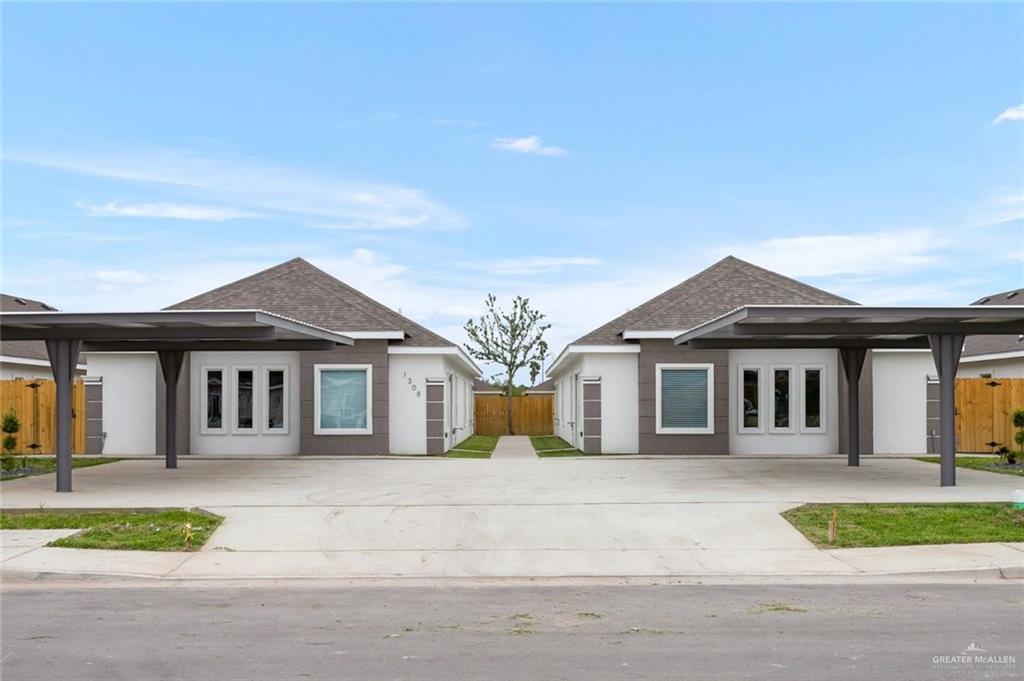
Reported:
(276, 381)
(814, 399)
(213, 400)
(781, 388)
(245, 399)
(685, 398)
(750, 402)
(342, 399)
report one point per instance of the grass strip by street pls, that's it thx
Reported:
(13, 466)
(170, 529)
(989, 464)
(552, 445)
(860, 525)
(474, 447)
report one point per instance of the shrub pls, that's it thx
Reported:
(10, 425)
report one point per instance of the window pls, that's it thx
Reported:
(212, 400)
(781, 408)
(750, 400)
(685, 397)
(342, 399)
(813, 411)
(275, 381)
(243, 419)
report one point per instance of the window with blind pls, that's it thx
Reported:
(342, 399)
(685, 398)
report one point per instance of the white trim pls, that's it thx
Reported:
(285, 399)
(235, 428)
(450, 350)
(741, 405)
(637, 335)
(225, 413)
(994, 356)
(822, 399)
(772, 428)
(317, 430)
(569, 350)
(710, 429)
(373, 335)
(27, 361)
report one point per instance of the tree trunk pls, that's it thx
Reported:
(508, 405)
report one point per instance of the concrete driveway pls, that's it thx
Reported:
(468, 517)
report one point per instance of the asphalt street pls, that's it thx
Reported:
(54, 631)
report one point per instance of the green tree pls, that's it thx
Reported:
(513, 340)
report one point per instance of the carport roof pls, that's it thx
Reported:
(170, 330)
(793, 326)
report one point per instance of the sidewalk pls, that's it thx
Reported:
(514, 448)
(25, 554)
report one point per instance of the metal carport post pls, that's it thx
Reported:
(946, 350)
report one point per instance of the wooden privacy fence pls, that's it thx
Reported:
(531, 415)
(984, 409)
(34, 402)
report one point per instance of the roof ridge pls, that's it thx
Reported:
(218, 289)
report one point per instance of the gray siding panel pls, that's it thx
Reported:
(372, 352)
(654, 352)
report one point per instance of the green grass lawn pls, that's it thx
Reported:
(909, 524)
(131, 530)
(978, 463)
(474, 447)
(552, 445)
(13, 466)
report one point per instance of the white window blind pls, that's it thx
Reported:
(684, 398)
(343, 395)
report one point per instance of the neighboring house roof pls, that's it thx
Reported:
(300, 291)
(725, 286)
(484, 387)
(996, 345)
(547, 386)
(25, 349)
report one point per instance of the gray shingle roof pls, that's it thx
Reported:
(990, 345)
(26, 349)
(300, 291)
(728, 284)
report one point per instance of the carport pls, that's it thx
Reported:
(169, 333)
(853, 330)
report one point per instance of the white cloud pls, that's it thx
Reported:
(460, 311)
(316, 199)
(1014, 113)
(529, 265)
(176, 211)
(835, 254)
(527, 145)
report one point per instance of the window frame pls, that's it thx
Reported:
(772, 428)
(710, 373)
(285, 398)
(822, 398)
(740, 415)
(204, 398)
(235, 428)
(320, 368)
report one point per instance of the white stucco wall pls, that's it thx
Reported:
(899, 393)
(459, 419)
(998, 368)
(619, 400)
(407, 396)
(795, 442)
(564, 403)
(129, 400)
(229, 442)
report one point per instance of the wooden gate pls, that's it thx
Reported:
(531, 415)
(34, 402)
(984, 409)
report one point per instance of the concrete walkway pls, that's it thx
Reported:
(514, 448)
(476, 518)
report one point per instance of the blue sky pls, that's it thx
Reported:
(585, 156)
